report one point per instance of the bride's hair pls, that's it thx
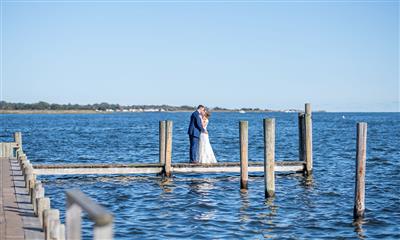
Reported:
(207, 114)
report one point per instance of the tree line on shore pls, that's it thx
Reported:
(104, 107)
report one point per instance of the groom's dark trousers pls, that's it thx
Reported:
(195, 128)
(194, 148)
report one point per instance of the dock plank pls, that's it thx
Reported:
(16, 213)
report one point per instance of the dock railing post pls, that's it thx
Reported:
(50, 218)
(38, 192)
(103, 231)
(73, 220)
(308, 139)
(168, 148)
(43, 204)
(18, 139)
(244, 162)
(103, 220)
(269, 157)
(162, 142)
(361, 155)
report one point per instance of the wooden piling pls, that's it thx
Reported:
(38, 192)
(162, 142)
(62, 231)
(55, 229)
(73, 221)
(31, 183)
(28, 173)
(50, 216)
(308, 139)
(22, 160)
(244, 161)
(269, 157)
(18, 139)
(361, 155)
(168, 149)
(301, 137)
(43, 204)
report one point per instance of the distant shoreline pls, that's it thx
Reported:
(99, 108)
(105, 112)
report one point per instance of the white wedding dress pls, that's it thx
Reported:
(206, 154)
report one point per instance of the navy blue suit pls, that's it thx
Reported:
(194, 131)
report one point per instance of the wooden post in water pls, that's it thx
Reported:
(162, 142)
(244, 161)
(18, 139)
(308, 139)
(301, 137)
(361, 155)
(168, 149)
(269, 157)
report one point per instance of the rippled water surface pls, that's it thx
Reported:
(212, 206)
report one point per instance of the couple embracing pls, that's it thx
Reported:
(200, 147)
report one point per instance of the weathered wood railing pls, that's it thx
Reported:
(76, 202)
(50, 218)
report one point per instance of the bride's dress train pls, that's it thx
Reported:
(206, 154)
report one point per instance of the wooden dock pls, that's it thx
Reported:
(158, 168)
(25, 211)
(17, 219)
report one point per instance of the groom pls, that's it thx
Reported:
(195, 128)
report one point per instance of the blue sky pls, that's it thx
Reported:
(340, 56)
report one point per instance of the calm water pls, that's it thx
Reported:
(211, 206)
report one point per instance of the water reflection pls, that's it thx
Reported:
(244, 205)
(166, 185)
(205, 208)
(270, 217)
(308, 181)
(358, 228)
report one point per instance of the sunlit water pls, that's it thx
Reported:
(212, 206)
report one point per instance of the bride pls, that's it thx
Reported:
(206, 154)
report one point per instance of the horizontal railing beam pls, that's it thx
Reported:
(98, 214)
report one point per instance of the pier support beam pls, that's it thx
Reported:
(308, 139)
(162, 142)
(168, 149)
(269, 157)
(43, 204)
(18, 139)
(301, 137)
(361, 155)
(244, 159)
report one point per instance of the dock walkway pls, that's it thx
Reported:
(17, 219)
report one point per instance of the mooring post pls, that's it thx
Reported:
(18, 139)
(168, 149)
(269, 157)
(361, 155)
(50, 217)
(37, 192)
(301, 137)
(7, 150)
(162, 142)
(43, 204)
(73, 220)
(244, 158)
(308, 139)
